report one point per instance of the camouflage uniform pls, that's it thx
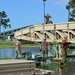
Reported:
(44, 48)
(64, 47)
(17, 45)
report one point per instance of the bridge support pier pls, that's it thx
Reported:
(58, 53)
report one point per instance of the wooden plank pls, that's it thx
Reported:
(16, 66)
(15, 61)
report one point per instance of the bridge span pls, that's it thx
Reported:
(53, 32)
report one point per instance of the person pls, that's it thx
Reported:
(17, 45)
(44, 48)
(64, 47)
(47, 18)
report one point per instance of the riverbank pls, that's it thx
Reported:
(11, 45)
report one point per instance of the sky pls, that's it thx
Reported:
(28, 12)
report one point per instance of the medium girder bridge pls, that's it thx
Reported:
(53, 32)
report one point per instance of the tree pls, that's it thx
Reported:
(4, 20)
(71, 10)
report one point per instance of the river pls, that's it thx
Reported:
(10, 52)
(67, 70)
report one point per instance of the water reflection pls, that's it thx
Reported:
(69, 69)
(10, 52)
(7, 53)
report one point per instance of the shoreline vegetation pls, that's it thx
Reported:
(11, 45)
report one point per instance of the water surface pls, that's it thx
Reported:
(69, 69)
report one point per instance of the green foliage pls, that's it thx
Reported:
(53, 43)
(4, 20)
(27, 55)
(71, 10)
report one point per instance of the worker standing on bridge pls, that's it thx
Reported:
(17, 45)
(44, 48)
(64, 47)
(47, 16)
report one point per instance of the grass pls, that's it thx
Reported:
(6, 44)
(11, 45)
(5, 58)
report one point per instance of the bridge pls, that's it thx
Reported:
(53, 32)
